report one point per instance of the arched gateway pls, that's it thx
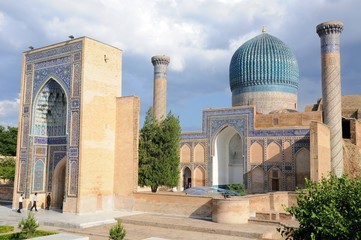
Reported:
(77, 138)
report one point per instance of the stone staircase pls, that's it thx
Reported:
(242, 231)
(275, 218)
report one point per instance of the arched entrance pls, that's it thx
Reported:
(50, 126)
(228, 158)
(187, 178)
(58, 187)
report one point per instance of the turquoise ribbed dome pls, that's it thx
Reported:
(263, 63)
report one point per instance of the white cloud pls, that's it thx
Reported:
(2, 20)
(9, 108)
(200, 36)
(234, 44)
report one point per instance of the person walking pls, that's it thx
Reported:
(48, 201)
(35, 198)
(20, 203)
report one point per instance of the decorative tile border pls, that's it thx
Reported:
(63, 50)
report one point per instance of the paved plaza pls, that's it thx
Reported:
(139, 225)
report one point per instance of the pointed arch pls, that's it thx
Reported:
(50, 110)
(199, 153)
(302, 166)
(224, 170)
(199, 177)
(256, 153)
(219, 131)
(257, 180)
(274, 153)
(185, 154)
(186, 177)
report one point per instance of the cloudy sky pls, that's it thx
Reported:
(200, 36)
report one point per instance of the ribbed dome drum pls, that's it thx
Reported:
(264, 72)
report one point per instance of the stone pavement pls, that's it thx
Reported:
(140, 226)
(60, 220)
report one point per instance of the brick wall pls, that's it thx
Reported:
(6, 192)
(179, 204)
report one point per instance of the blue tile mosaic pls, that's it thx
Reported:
(73, 152)
(52, 78)
(263, 61)
(63, 50)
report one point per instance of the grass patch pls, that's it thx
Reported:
(5, 229)
(18, 235)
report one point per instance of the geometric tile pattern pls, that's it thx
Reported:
(39, 175)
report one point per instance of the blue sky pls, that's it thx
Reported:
(200, 36)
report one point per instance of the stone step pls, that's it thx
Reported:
(278, 223)
(62, 236)
(246, 231)
(272, 215)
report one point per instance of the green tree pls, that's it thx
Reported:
(7, 168)
(159, 152)
(328, 209)
(8, 140)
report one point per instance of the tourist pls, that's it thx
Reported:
(20, 203)
(35, 198)
(48, 200)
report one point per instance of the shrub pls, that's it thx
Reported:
(236, 187)
(329, 209)
(117, 232)
(18, 235)
(5, 229)
(28, 226)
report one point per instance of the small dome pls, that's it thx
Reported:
(264, 64)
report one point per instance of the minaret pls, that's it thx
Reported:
(160, 64)
(330, 32)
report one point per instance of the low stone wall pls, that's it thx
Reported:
(275, 201)
(6, 192)
(174, 203)
(206, 206)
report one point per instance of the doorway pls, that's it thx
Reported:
(58, 187)
(187, 178)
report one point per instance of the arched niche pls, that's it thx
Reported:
(185, 154)
(199, 177)
(199, 153)
(256, 153)
(257, 180)
(50, 111)
(274, 153)
(186, 178)
(226, 168)
(302, 166)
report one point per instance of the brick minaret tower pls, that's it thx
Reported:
(160, 64)
(329, 33)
